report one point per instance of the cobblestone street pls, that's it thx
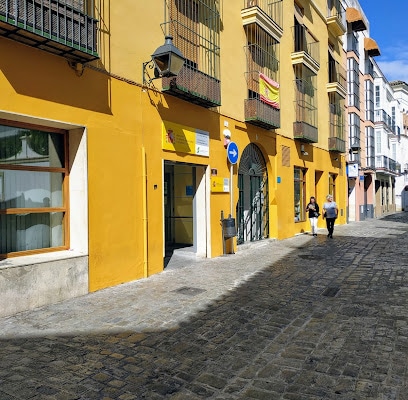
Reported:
(303, 318)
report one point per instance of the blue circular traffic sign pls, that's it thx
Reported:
(232, 152)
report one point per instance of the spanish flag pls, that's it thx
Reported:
(269, 91)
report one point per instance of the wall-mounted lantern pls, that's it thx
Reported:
(167, 60)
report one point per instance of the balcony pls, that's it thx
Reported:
(381, 117)
(194, 86)
(337, 145)
(336, 18)
(261, 114)
(305, 126)
(337, 79)
(265, 13)
(306, 49)
(52, 26)
(386, 164)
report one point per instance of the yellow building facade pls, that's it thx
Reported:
(106, 171)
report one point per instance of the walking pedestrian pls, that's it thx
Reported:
(313, 209)
(330, 211)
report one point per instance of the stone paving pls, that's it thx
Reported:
(303, 318)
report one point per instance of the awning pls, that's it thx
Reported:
(355, 18)
(371, 47)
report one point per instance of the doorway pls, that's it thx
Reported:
(253, 202)
(184, 191)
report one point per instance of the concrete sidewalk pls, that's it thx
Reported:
(302, 318)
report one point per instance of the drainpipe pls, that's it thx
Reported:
(144, 210)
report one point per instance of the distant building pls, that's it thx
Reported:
(360, 49)
(400, 92)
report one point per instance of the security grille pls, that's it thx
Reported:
(195, 28)
(252, 207)
(65, 23)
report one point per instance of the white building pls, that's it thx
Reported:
(400, 90)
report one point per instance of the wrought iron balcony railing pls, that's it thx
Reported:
(337, 73)
(55, 26)
(273, 9)
(304, 42)
(336, 17)
(337, 145)
(194, 86)
(261, 114)
(305, 126)
(382, 117)
(386, 164)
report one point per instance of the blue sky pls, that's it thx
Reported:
(388, 27)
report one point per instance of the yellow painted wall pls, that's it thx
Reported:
(124, 123)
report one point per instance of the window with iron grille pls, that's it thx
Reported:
(353, 83)
(299, 193)
(306, 95)
(195, 28)
(337, 122)
(33, 189)
(369, 100)
(262, 54)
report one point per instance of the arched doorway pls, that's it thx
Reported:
(252, 207)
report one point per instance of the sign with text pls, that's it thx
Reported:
(184, 139)
(352, 170)
(219, 185)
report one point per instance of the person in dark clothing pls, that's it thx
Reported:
(313, 209)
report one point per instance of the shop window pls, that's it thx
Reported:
(299, 193)
(33, 188)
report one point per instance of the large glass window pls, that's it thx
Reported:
(369, 100)
(370, 147)
(33, 171)
(353, 82)
(377, 96)
(299, 193)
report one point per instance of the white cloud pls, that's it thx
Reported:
(396, 70)
(394, 62)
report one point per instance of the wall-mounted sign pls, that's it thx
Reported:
(232, 152)
(219, 185)
(352, 170)
(184, 139)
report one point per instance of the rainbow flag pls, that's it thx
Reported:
(269, 91)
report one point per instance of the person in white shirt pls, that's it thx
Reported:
(330, 211)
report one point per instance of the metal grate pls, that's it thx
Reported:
(253, 202)
(194, 86)
(64, 23)
(195, 27)
(261, 114)
(272, 9)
